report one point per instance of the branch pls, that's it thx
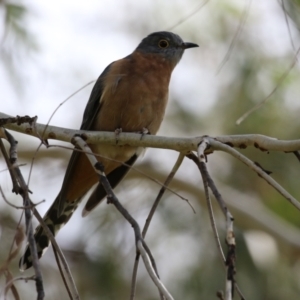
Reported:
(23, 190)
(202, 144)
(279, 83)
(60, 258)
(151, 272)
(20, 187)
(261, 142)
(111, 198)
(202, 168)
(253, 213)
(257, 169)
(230, 240)
(150, 216)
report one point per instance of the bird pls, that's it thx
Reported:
(130, 95)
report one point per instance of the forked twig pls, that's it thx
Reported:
(71, 287)
(111, 198)
(230, 240)
(131, 168)
(204, 174)
(220, 146)
(23, 190)
(162, 191)
(28, 206)
(150, 216)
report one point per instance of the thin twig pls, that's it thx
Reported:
(193, 12)
(62, 103)
(61, 271)
(235, 37)
(230, 257)
(152, 272)
(111, 198)
(280, 81)
(4, 269)
(220, 146)
(202, 147)
(229, 261)
(132, 168)
(41, 137)
(229, 281)
(230, 240)
(288, 25)
(204, 173)
(6, 157)
(71, 288)
(162, 191)
(28, 205)
(24, 192)
(150, 216)
(26, 279)
(32, 162)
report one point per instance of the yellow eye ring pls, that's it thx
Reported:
(163, 44)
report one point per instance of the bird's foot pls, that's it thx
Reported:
(118, 131)
(143, 132)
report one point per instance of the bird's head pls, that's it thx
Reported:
(166, 44)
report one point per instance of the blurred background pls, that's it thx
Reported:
(50, 49)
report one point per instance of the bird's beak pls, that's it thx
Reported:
(189, 45)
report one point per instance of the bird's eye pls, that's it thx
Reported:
(163, 44)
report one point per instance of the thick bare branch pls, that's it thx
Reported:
(262, 142)
(202, 144)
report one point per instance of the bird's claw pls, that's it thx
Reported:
(144, 131)
(118, 131)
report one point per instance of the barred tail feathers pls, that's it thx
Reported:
(54, 223)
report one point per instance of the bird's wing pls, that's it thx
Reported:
(74, 178)
(114, 178)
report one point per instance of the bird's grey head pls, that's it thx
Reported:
(165, 43)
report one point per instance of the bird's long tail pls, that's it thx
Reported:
(54, 222)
